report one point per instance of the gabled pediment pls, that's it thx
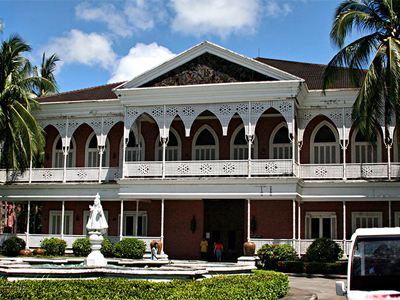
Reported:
(207, 63)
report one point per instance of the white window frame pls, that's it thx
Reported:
(132, 149)
(67, 214)
(86, 214)
(397, 218)
(325, 145)
(367, 148)
(321, 215)
(171, 151)
(58, 154)
(207, 150)
(242, 150)
(276, 147)
(88, 151)
(141, 213)
(368, 215)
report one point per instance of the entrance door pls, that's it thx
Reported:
(224, 221)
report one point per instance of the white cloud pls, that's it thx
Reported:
(222, 17)
(140, 59)
(104, 13)
(79, 47)
(273, 9)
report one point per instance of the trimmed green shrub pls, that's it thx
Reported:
(268, 285)
(13, 246)
(81, 247)
(271, 254)
(312, 267)
(106, 247)
(324, 250)
(129, 248)
(54, 246)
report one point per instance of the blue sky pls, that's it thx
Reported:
(100, 42)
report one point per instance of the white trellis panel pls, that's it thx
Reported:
(47, 175)
(321, 171)
(370, 170)
(272, 167)
(204, 168)
(82, 174)
(143, 169)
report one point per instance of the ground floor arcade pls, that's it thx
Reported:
(180, 213)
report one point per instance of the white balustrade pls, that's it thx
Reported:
(370, 170)
(321, 171)
(237, 168)
(36, 239)
(304, 244)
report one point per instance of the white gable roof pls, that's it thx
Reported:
(207, 47)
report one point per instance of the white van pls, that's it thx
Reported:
(374, 265)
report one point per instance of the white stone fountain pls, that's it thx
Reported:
(96, 227)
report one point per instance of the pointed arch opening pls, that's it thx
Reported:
(324, 146)
(280, 146)
(362, 151)
(58, 155)
(205, 144)
(92, 158)
(240, 147)
(173, 152)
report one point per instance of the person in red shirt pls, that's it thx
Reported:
(218, 249)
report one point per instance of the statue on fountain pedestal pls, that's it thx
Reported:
(97, 220)
(96, 227)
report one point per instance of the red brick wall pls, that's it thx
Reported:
(274, 218)
(180, 242)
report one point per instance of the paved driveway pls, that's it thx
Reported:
(323, 287)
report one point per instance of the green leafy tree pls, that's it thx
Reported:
(47, 72)
(373, 60)
(21, 138)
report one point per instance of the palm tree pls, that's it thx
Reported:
(21, 137)
(373, 60)
(46, 71)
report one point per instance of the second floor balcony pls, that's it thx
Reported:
(208, 168)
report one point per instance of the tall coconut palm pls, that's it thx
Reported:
(21, 137)
(46, 71)
(373, 60)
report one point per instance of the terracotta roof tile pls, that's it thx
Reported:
(311, 73)
(103, 92)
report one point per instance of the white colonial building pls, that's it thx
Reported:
(210, 143)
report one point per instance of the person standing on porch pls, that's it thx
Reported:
(203, 248)
(154, 252)
(218, 249)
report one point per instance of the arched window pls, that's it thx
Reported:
(205, 144)
(58, 156)
(92, 153)
(324, 145)
(362, 150)
(240, 146)
(134, 151)
(173, 150)
(280, 145)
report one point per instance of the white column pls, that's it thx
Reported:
(101, 151)
(65, 153)
(250, 143)
(125, 142)
(62, 219)
(390, 213)
(30, 171)
(164, 147)
(248, 220)
(389, 163)
(137, 217)
(294, 221)
(162, 225)
(298, 227)
(344, 227)
(121, 220)
(27, 224)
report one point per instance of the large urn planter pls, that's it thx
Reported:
(249, 248)
(25, 252)
(38, 251)
(159, 248)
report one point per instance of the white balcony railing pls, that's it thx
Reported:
(213, 168)
(33, 240)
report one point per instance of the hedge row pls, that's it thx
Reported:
(311, 267)
(263, 285)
